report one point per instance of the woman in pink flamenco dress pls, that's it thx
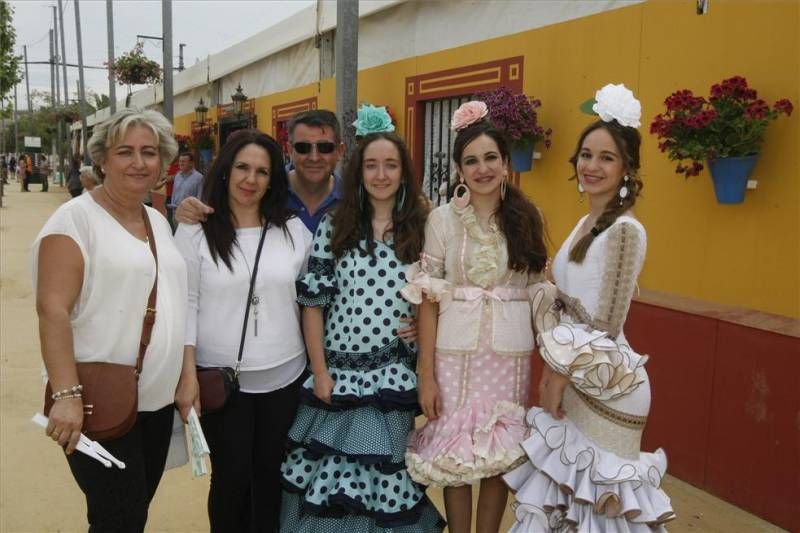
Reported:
(585, 470)
(484, 253)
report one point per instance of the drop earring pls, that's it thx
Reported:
(581, 190)
(461, 194)
(503, 187)
(623, 191)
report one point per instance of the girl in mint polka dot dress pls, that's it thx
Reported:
(345, 468)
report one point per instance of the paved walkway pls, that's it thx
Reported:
(37, 493)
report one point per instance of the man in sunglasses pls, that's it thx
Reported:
(315, 149)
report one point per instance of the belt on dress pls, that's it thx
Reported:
(618, 417)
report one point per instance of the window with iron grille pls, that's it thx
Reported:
(439, 170)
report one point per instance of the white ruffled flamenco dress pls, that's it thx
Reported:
(585, 472)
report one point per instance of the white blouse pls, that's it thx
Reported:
(274, 355)
(118, 274)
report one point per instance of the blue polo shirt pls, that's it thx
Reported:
(294, 203)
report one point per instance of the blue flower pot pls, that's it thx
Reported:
(205, 156)
(730, 175)
(522, 156)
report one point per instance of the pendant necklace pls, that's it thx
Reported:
(255, 300)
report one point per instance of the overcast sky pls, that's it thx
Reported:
(206, 26)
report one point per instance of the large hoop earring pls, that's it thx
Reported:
(461, 194)
(400, 201)
(503, 187)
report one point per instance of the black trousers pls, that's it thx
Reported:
(247, 440)
(117, 500)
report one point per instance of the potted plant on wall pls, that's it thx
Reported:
(726, 130)
(515, 114)
(135, 68)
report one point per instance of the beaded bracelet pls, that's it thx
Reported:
(75, 389)
(68, 396)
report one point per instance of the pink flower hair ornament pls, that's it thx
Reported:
(467, 114)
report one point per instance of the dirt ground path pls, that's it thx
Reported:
(37, 493)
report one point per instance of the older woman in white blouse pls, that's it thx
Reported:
(93, 270)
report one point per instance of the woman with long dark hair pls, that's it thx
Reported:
(247, 187)
(585, 470)
(345, 469)
(484, 253)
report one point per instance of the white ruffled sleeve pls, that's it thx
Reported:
(426, 276)
(589, 354)
(596, 364)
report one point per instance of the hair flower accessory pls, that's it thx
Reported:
(616, 102)
(467, 114)
(372, 119)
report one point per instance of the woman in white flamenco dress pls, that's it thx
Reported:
(585, 470)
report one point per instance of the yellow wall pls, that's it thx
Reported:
(743, 255)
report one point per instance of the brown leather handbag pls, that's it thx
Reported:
(111, 390)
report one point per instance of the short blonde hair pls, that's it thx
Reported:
(110, 131)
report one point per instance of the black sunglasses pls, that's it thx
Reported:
(323, 147)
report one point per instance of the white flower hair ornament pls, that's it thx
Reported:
(616, 102)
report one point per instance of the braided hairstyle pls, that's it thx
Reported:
(627, 140)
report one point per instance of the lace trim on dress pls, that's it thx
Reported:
(619, 279)
(483, 266)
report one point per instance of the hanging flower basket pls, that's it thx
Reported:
(515, 114)
(730, 123)
(134, 68)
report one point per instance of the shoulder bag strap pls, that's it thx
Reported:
(250, 296)
(150, 311)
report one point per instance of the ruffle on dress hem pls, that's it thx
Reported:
(365, 434)
(421, 282)
(422, 518)
(577, 485)
(337, 486)
(473, 442)
(392, 387)
(595, 363)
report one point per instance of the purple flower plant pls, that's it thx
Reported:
(515, 114)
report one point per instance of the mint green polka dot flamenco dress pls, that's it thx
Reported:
(345, 468)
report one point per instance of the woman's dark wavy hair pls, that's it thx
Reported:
(518, 218)
(352, 219)
(628, 140)
(219, 228)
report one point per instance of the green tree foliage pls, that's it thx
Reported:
(9, 63)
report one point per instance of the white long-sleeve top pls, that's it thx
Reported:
(217, 298)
